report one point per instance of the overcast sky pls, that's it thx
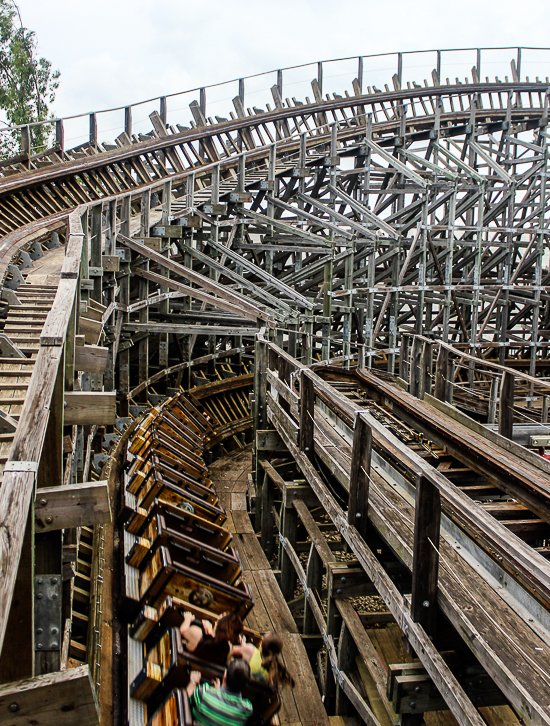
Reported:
(117, 52)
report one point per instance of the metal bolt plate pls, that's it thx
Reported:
(539, 441)
(47, 612)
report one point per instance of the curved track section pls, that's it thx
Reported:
(370, 230)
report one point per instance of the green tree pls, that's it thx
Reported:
(27, 83)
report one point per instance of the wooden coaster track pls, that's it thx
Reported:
(357, 286)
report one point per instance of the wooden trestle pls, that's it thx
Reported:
(291, 363)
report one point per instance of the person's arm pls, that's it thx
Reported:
(194, 680)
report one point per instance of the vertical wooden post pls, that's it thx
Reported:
(202, 101)
(427, 517)
(347, 650)
(314, 582)
(404, 357)
(360, 476)
(361, 356)
(289, 526)
(124, 356)
(331, 627)
(17, 652)
(59, 135)
(307, 412)
(143, 351)
(426, 370)
(95, 247)
(441, 374)
(128, 120)
(163, 111)
(26, 141)
(506, 407)
(415, 374)
(493, 398)
(48, 565)
(268, 497)
(93, 129)
(544, 414)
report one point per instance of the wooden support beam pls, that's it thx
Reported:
(506, 405)
(87, 408)
(90, 358)
(64, 698)
(427, 518)
(442, 374)
(269, 441)
(360, 476)
(415, 370)
(307, 410)
(65, 507)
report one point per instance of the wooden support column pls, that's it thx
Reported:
(143, 347)
(442, 374)
(260, 424)
(314, 582)
(404, 357)
(427, 517)
(289, 526)
(95, 248)
(307, 409)
(426, 370)
(124, 298)
(347, 650)
(267, 540)
(332, 629)
(360, 476)
(17, 653)
(506, 406)
(48, 565)
(415, 372)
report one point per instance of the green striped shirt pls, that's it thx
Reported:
(219, 707)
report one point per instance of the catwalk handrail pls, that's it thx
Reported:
(20, 472)
(360, 58)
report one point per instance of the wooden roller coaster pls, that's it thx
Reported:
(290, 364)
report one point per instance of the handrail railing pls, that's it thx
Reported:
(365, 64)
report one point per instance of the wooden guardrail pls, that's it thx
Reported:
(20, 473)
(434, 495)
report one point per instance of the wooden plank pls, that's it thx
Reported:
(76, 505)
(359, 477)
(506, 405)
(57, 322)
(269, 440)
(15, 498)
(91, 358)
(441, 374)
(91, 329)
(89, 407)
(307, 412)
(64, 698)
(427, 518)
(17, 654)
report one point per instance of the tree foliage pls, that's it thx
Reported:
(27, 83)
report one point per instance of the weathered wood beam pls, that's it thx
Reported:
(64, 698)
(91, 358)
(84, 408)
(76, 505)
